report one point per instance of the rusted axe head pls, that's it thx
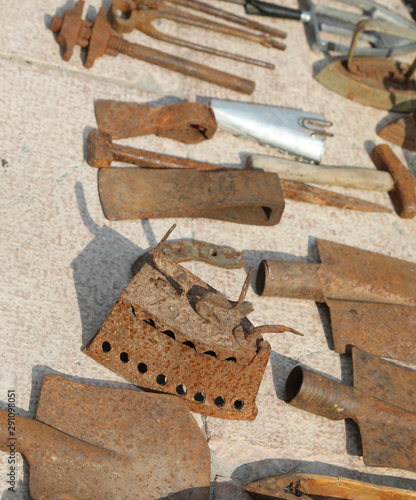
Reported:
(403, 195)
(100, 152)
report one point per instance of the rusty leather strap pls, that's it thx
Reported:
(230, 195)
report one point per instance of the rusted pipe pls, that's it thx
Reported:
(294, 280)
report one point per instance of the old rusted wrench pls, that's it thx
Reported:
(125, 15)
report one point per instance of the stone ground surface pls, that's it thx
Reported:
(64, 265)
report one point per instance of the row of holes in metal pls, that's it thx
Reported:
(188, 343)
(181, 390)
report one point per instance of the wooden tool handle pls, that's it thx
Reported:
(359, 178)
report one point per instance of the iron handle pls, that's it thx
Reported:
(259, 8)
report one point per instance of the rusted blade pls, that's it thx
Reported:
(299, 191)
(384, 380)
(187, 122)
(349, 273)
(185, 251)
(386, 330)
(110, 443)
(318, 487)
(232, 195)
(401, 132)
(375, 82)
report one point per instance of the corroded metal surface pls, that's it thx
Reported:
(94, 442)
(125, 15)
(232, 195)
(102, 152)
(99, 39)
(185, 251)
(187, 122)
(371, 297)
(317, 487)
(403, 195)
(401, 132)
(373, 82)
(387, 426)
(299, 191)
(170, 331)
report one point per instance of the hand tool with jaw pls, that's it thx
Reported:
(392, 176)
(134, 193)
(170, 331)
(303, 486)
(371, 297)
(187, 122)
(323, 18)
(382, 402)
(401, 132)
(377, 82)
(125, 15)
(88, 442)
(100, 39)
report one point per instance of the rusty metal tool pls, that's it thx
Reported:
(100, 39)
(102, 152)
(392, 176)
(401, 132)
(330, 19)
(170, 331)
(187, 122)
(299, 191)
(230, 195)
(95, 442)
(125, 15)
(318, 487)
(382, 402)
(403, 194)
(371, 297)
(189, 250)
(377, 82)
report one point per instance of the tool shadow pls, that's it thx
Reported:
(101, 271)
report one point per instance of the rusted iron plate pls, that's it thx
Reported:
(186, 251)
(386, 330)
(373, 82)
(299, 191)
(403, 195)
(318, 487)
(94, 442)
(232, 195)
(187, 122)
(99, 39)
(371, 297)
(349, 273)
(170, 331)
(401, 132)
(388, 431)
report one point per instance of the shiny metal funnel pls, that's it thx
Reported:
(290, 130)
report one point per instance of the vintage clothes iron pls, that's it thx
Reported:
(382, 402)
(380, 83)
(371, 297)
(170, 331)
